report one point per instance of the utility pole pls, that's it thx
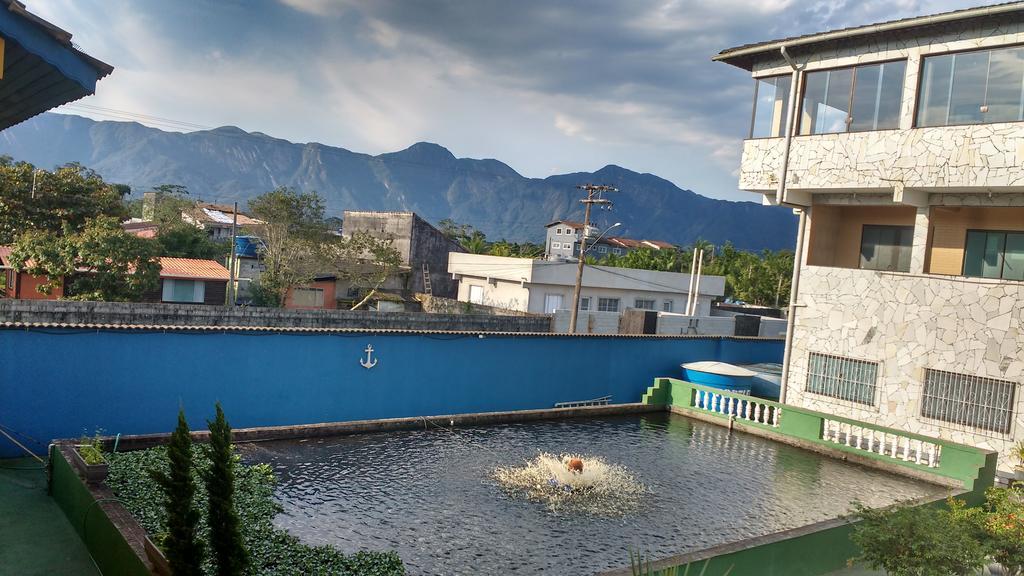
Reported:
(233, 259)
(594, 192)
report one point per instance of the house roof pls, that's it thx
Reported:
(191, 268)
(569, 223)
(222, 214)
(747, 55)
(142, 229)
(42, 69)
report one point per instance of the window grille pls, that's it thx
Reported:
(843, 378)
(968, 400)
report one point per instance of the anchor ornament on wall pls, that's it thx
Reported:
(369, 361)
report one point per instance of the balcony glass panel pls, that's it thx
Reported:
(886, 248)
(972, 88)
(771, 103)
(853, 99)
(992, 254)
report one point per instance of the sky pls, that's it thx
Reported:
(546, 86)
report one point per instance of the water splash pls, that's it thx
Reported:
(601, 488)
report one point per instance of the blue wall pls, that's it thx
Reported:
(60, 383)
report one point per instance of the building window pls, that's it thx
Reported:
(602, 249)
(853, 99)
(886, 247)
(183, 290)
(643, 304)
(616, 251)
(308, 297)
(607, 304)
(994, 255)
(556, 245)
(972, 88)
(558, 231)
(476, 294)
(668, 305)
(585, 303)
(771, 104)
(968, 400)
(552, 302)
(843, 378)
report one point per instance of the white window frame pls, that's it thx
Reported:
(476, 294)
(198, 291)
(602, 248)
(668, 305)
(637, 303)
(605, 304)
(553, 297)
(584, 303)
(558, 231)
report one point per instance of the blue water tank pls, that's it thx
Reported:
(247, 246)
(719, 375)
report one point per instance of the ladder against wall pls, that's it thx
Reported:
(426, 280)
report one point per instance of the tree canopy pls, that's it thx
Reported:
(99, 262)
(59, 201)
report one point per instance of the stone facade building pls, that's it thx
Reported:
(906, 164)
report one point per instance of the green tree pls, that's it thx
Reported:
(183, 549)
(476, 243)
(364, 260)
(918, 541)
(293, 235)
(58, 201)
(99, 262)
(229, 553)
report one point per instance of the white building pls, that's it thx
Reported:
(545, 287)
(906, 164)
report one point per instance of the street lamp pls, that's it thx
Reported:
(606, 230)
(579, 271)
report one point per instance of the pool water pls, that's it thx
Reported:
(430, 494)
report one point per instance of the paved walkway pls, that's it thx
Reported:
(36, 538)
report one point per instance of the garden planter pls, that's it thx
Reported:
(160, 565)
(93, 473)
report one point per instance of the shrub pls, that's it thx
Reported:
(272, 551)
(178, 487)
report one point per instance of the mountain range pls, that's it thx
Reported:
(229, 164)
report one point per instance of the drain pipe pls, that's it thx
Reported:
(780, 198)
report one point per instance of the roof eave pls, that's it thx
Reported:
(730, 55)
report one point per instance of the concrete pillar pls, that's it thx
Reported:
(919, 251)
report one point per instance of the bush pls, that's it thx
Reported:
(272, 551)
(918, 541)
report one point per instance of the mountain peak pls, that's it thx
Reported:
(424, 152)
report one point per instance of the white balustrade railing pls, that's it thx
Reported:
(891, 445)
(743, 409)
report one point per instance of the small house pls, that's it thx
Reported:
(191, 281)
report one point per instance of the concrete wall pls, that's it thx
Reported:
(668, 324)
(63, 311)
(438, 305)
(418, 243)
(588, 322)
(61, 382)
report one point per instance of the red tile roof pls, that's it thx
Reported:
(192, 268)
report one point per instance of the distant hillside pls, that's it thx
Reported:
(228, 164)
